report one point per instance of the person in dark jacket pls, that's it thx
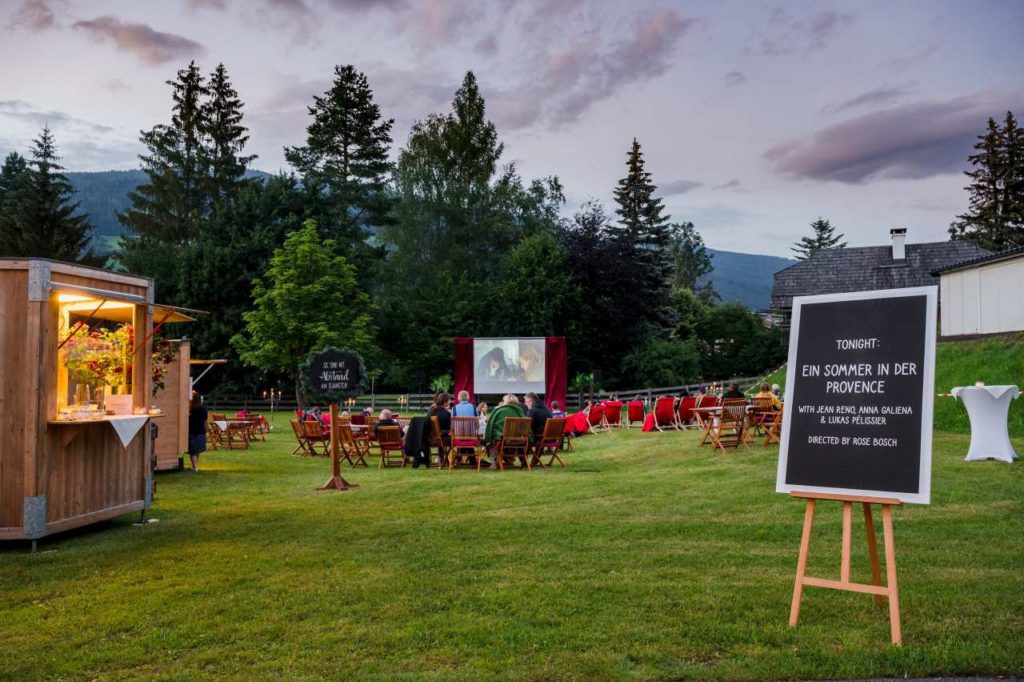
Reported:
(439, 409)
(538, 412)
(196, 429)
(734, 393)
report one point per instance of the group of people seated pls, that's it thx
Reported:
(491, 422)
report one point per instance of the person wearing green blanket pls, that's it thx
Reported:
(508, 407)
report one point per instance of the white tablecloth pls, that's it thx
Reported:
(127, 426)
(987, 408)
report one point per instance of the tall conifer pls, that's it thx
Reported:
(227, 137)
(995, 216)
(345, 158)
(39, 216)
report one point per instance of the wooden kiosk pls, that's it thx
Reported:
(172, 435)
(65, 464)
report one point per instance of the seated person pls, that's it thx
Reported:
(439, 409)
(387, 418)
(556, 410)
(508, 407)
(538, 412)
(765, 392)
(463, 408)
(734, 393)
(777, 390)
(482, 418)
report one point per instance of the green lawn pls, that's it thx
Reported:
(648, 558)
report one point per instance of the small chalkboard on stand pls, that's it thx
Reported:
(331, 375)
(857, 421)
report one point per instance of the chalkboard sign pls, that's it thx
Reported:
(859, 390)
(334, 374)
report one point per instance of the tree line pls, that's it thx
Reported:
(395, 258)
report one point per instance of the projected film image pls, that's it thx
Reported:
(508, 365)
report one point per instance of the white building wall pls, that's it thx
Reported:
(987, 299)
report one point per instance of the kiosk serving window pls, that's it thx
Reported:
(96, 359)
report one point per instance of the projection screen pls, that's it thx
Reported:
(508, 365)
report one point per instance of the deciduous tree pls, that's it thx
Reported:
(307, 299)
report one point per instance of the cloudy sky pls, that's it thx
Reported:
(756, 117)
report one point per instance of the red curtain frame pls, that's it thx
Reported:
(555, 370)
(464, 366)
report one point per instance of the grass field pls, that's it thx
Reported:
(647, 558)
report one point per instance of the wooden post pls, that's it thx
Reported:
(335, 482)
(890, 590)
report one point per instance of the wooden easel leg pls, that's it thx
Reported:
(890, 570)
(844, 567)
(801, 564)
(876, 571)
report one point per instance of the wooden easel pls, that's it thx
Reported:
(888, 590)
(336, 482)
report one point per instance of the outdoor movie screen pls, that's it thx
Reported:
(508, 366)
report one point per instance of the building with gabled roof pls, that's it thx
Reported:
(868, 268)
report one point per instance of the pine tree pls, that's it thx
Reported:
(995, 216)
(39, 215)
(639, 211)
(14, 175)
(643, 237)
(345, 158)
(227, 137)
(823, 237)
(169, 207)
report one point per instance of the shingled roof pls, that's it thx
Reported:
(867, 268)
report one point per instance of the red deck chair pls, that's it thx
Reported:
(597, 421)
(665, 413)
(613, 413)
(686, 406)
(634, 413)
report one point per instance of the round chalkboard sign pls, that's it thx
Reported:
(333, 374)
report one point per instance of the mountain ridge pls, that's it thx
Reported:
(737, 277)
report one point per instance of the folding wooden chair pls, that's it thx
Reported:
(515, 441)
(214, 436)
(731, 426)
(613, 414)
(665, 413)
(303, 448)
(237, 435)
(684, 415)
(353, 449)
(389, 442)
(255, 429)
(437, 440)
(313, 434)
(762, 411)
(773, 428)
(550, 442)
(635, 413)
(597, 420)
(465, 442)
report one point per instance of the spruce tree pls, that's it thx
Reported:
(227, 137)
(345, 159)
(823, 236)
(643, 236)
(39, 215)
(13, 176)
(168, 208)
(995, 217)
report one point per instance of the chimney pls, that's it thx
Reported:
(899, 235)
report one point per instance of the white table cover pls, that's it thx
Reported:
(127, 426)
(987, 408)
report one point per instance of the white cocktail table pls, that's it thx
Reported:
(987, 408)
